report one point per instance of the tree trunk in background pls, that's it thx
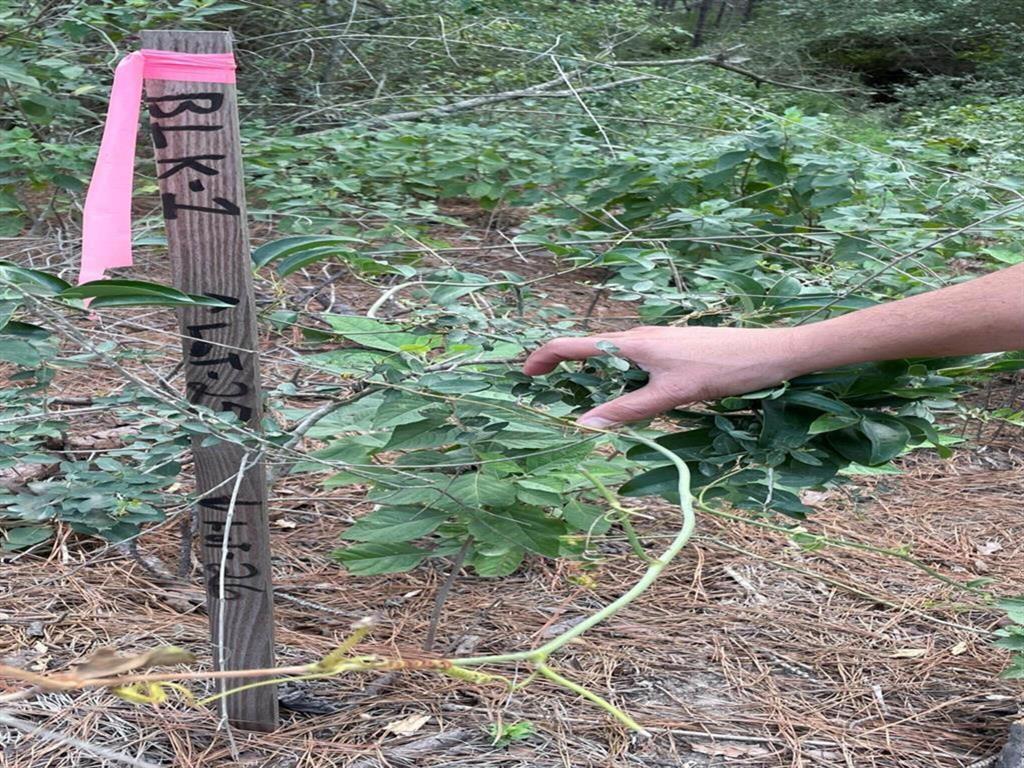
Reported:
(702, 19)
(748, 10)
(722, 4)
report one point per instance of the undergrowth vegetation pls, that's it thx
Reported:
(691, 196)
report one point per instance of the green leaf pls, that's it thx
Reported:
(540, 492)
(390, 337)
(453, 383)
(13, 71)
(500, 563)
(799, 474)
(305, 257)
(830, 196)
(7, 309)
(588, 518)
(19, 352)
(1016, 669)
(1011, 643)
(771, 171)
(689, 445)
(830, 422)
(373, 559)
(51, 283)
(127, 293)
(876, 440)
(25, 536)
(818, 401)
(731, 159)
(480, 489)
(662, 481)
(784, 425)
(425, 433)
(354, 362)
(750, 292)
(525, 527)
(287, 246)
(1014, 607)
(392, 524)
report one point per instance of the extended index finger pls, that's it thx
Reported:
(545, 359)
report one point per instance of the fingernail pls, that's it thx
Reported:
(594, 421)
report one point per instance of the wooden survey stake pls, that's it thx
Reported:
(199, 167)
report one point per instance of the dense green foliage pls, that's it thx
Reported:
(698, 196)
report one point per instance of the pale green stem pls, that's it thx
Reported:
(622, 519)
(589, 695)
(539, 655)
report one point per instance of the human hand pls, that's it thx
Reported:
(685, 365)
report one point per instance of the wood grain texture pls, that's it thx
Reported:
(199, 163)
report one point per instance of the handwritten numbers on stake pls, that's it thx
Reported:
(199, 167)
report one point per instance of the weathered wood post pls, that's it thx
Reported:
(199, 166)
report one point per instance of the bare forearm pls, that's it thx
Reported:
(697, 363)
(982, 315)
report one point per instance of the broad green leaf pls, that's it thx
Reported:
(748, 290)
(501, 563)
(799, 474)
(876, 440)
(1012, 643)
(24, 536)
(587, 518)
(689, 445)
(7, 309)
(818, 401)
(1016, 669)
(479, 489)
(19, 352)
(12, 71)
(540, 491)
(830, 196)
(830, 422)
(453, 383)
(393, 524)
(390, 337)
(425, 433)
(375, 558)
(784, 425)
(522, 527)
(350, 362)
(1014, 607)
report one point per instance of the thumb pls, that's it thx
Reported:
(634, 406)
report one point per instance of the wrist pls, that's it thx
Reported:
(808, 349)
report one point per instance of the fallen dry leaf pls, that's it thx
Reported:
(989, 547)
(959, 648)
(407, 726)
(42, 661)
(107, 662)
(729, 751)
(908, 653)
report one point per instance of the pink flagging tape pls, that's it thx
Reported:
(107, 216)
